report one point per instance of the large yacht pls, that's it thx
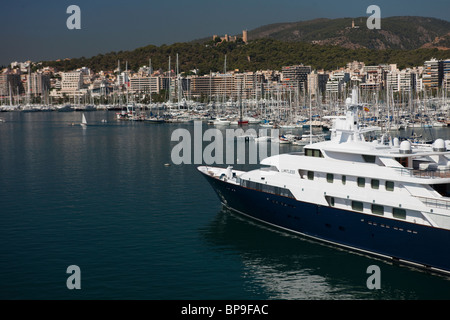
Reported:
(382, 197)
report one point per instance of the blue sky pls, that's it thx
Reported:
(36, 30)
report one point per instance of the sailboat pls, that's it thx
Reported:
(83, 121)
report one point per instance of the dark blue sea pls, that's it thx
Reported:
(102, 199)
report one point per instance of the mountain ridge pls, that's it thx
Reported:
(397, 32)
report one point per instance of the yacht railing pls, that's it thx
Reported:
(426, 174)
(435, 203)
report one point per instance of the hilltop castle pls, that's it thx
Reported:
(232, 38)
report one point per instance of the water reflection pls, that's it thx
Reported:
(286, 266)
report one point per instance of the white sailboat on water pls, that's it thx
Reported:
(83, 121)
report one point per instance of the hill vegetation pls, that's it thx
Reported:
(258, 54)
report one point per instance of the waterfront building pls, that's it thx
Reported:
(247, 84)
(337, 82)
(39, 83)
(392, 81)
(446, 73)
(71, 82)
(317, 82)
(295, 76)
(432, 75)
(401, 80)
(223, 86)
(376, 75)
(145, 84)
(123, 79)
(407, 79)
(419, 84)
(10, 84)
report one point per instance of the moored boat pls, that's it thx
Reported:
(381, 198)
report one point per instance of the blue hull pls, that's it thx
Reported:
(405, 242)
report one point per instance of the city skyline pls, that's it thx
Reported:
(38, 31)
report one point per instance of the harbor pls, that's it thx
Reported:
(102, 198)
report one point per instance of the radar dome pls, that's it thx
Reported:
(405, 147)
(439, 145)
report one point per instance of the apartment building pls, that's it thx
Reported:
(39, 83)
(432, 74)
(295, 76)
(10, 84)
(145, 84)
(317, 82)
(71, 82)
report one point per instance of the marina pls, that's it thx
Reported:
(281, 113)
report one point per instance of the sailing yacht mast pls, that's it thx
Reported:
(170, 81)
(224, 74)
(178, 85)
(310, 119)
(150, 72)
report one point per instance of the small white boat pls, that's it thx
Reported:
(308, 139)
(222, 121)
(439, 124)
(83, 121)
(263, 139)
(252, 120)
(284, 140)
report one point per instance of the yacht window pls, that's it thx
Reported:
(399, 213)
(302, 173)
(313, 153)
(369, 159)
(389, 186)
(330, 201)
(375, 183)
(311, 175)
(357, 206)
(443, 189)
(330, 177)
(403, 161)
(377, 209)
(361, 182)
(344, 179)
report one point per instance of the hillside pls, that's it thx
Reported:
(259, 54)
(405, 33)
